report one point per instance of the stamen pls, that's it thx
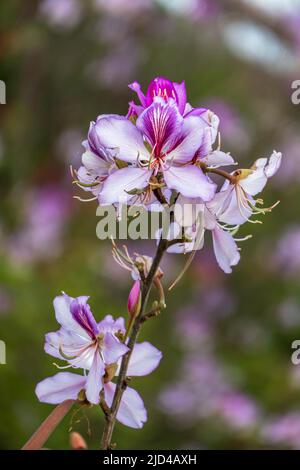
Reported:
(85, 185)
(247, 237)
(62, 367)
(85, 200)
(65, 356)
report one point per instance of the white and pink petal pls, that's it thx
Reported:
(120, 184)
(132, 411)
(121, 135)
(112, 349)
(94, 380)
(190, 181)
(226, 250)
(160, 123)
(145, 358)
(62, 306)
(62, 386)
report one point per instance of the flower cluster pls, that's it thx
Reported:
(164, 150)
(97, 348)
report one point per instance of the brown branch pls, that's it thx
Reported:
(110, 418)
(45, 430)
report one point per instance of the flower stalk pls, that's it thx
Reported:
(111, 415)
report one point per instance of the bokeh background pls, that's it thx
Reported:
(226, 380)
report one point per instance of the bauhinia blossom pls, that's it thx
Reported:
(235, 202)
(231, 207)
(83, 342)
(162, 155)
(97, 348)
(160, 146)
(165, 148)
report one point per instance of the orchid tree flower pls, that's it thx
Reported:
(165, 147)
(162, 143)
(176, 92)
(83, 342)
(145, 358)
(235, 203)
(231, 207)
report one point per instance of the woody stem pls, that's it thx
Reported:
(110, 417)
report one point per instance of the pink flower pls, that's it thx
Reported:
(235, 203)
(97, 348)
(65, 385)
(161, 142)
(84, 343)
(231, 207)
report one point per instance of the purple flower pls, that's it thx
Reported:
(97, 348)
(84, 343)
(64, 385)
(162, 141)
(229, 208)
(235, 204)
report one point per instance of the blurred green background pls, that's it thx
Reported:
(226, 379)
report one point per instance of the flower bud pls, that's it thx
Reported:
(134, 299)
(77, 442)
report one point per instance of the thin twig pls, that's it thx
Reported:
(110, 418)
